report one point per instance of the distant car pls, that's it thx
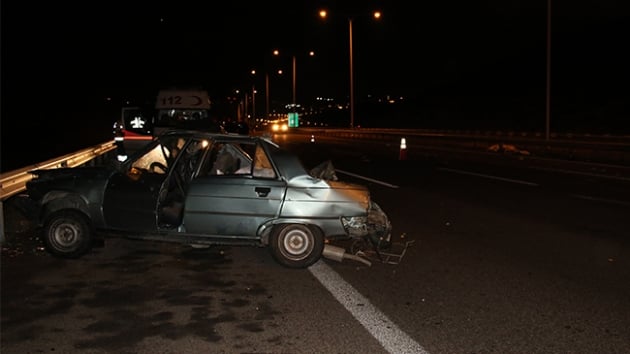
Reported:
(279, 127)
(273, 126)
(205, 189)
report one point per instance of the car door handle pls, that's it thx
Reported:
(262, 191)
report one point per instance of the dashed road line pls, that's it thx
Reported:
(601, 200)
(367, 178)
(386, 332)
(491, 177)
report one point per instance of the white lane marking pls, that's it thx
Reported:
(589, 174)
(490, 176)
(367, 178)
(602, 200)
(392, 338)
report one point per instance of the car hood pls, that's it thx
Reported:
(308, 181)
(333, 198)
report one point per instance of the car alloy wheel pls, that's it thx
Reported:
(297, 245)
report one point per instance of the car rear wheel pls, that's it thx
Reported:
(67, 234)
(296, 245)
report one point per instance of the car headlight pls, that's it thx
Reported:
(280, 127)
(355, 226)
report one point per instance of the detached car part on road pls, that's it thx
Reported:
(206, 189)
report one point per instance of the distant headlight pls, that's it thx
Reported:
(279, 127)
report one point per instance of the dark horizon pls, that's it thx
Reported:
(474, 65)
(488, 49)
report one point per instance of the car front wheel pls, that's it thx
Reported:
(296, 246)
(67, 234)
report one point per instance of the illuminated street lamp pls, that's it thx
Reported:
(267, 90)
(376, 15)
(294, 78)
(253, 72)
(266, 95)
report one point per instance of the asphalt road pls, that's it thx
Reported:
(504, 260)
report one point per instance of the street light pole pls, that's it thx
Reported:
(254, 102)
(267, 95)
(377, 16)
(245, 105)
(294, 74)
(253, 72)
(351, 75)
(548, 83)
(294, 79)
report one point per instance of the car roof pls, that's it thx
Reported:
(288, 164)
(214, 135)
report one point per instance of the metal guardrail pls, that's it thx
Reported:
(485, 134)
(585, 147)
(14, 182)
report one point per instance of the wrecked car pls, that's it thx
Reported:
(203, 189)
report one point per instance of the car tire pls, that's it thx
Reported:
(67, 234)
(296, 245)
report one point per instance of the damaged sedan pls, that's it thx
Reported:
(205, 189)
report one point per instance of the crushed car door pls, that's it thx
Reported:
(131, 197)
(236, 191)
(172, 196)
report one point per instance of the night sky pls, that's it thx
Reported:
(478, 64)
